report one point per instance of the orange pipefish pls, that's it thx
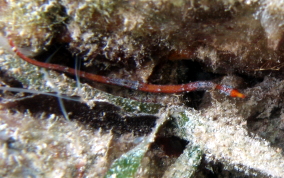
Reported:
(192, 86)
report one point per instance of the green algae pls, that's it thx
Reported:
(127, 165)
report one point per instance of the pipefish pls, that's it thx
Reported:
(135, 85)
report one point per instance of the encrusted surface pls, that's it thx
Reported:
(233, 42)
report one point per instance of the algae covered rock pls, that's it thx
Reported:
(52, 123)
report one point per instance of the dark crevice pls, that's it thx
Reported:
(10, 81)
(191, 71)
(170, 145)
(104, 115)
(250, 81)
(181, 72)
(213, 169)
(57, 54)
(165, 150)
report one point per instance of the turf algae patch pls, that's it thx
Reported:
(232, 145)
(36, 24)
(50, 147)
